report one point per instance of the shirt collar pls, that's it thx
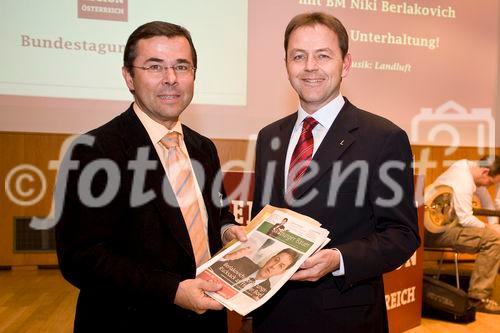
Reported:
(156, 131)
(324, 116)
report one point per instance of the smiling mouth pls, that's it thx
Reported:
(168, 97)
(313, 81)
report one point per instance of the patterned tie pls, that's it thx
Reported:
(301, 157)
(183, 184)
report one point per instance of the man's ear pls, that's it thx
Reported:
(478, 174)
(129, 80)
(485, 171)
(481, 176)
(346, 65)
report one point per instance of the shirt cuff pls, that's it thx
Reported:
(340, 271)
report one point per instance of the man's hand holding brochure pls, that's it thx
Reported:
(278, 242)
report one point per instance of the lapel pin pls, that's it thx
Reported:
(342, 142)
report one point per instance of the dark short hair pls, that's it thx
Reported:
(154, 29)
(312, 19)
(492, 164)
(294, 255)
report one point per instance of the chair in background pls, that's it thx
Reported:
(444, 250)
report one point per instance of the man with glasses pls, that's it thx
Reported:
(134, 257)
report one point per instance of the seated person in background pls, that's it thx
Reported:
(470, 234)
(486, 201)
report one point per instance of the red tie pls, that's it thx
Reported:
(302, 155)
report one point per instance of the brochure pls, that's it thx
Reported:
(279, 241)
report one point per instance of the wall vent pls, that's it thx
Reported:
(27, 239)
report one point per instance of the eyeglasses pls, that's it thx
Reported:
(157, 69)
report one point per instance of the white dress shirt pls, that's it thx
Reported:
(325, 118)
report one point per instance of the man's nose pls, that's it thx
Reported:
(273, 267)
(311, 64)
(169, 76)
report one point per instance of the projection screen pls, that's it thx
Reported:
(425, 65)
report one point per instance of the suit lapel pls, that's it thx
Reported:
(336, 141)
(135, 136)
(279, 155)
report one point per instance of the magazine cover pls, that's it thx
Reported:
(279, 241)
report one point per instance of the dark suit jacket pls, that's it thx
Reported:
(128, 257)
(372, 239)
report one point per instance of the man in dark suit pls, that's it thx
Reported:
(124, 237)
(348, 169)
